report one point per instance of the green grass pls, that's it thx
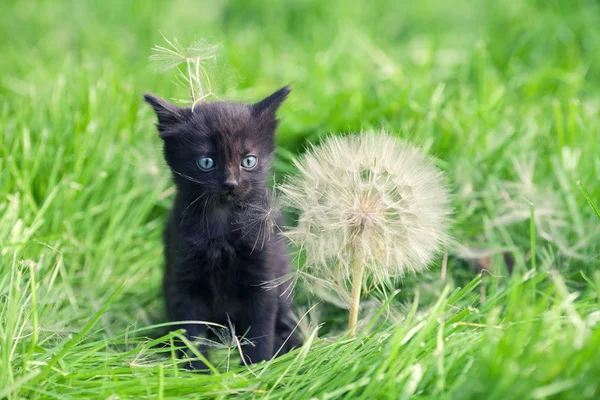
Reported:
(491, 88)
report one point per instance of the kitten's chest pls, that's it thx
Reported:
(224, 276)
(220, 254)
(230, 277)
(220, 258)
(226, 260)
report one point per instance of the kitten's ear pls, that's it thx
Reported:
(270, 104)
(168, 114)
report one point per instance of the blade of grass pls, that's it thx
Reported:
(589, 199)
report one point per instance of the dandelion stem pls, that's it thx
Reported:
(357, 277)
(532, 237)
(190, 80)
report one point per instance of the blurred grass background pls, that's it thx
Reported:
(506, 94)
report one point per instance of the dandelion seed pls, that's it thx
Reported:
(226, 339)
(369, 205)
(259, 220)
(189, 61)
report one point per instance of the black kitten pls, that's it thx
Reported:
(220, 243)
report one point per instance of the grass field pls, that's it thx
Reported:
(506, 94)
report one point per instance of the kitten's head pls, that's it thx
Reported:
(220, 149)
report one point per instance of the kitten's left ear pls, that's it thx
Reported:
(270, 104)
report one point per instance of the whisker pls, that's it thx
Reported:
(189, 178)
(190, 205)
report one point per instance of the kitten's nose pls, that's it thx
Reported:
(229, 185)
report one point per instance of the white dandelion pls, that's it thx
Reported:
(370, 206)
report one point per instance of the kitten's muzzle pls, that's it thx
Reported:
(228, 193)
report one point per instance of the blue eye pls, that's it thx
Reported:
(249, 162)
(205, 163)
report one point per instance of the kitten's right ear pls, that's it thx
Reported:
(169, 115)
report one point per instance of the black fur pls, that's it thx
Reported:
(220, 247)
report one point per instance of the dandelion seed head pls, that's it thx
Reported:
(372, 193)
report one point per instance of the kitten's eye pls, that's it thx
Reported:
(205, 163)
(249, 162)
